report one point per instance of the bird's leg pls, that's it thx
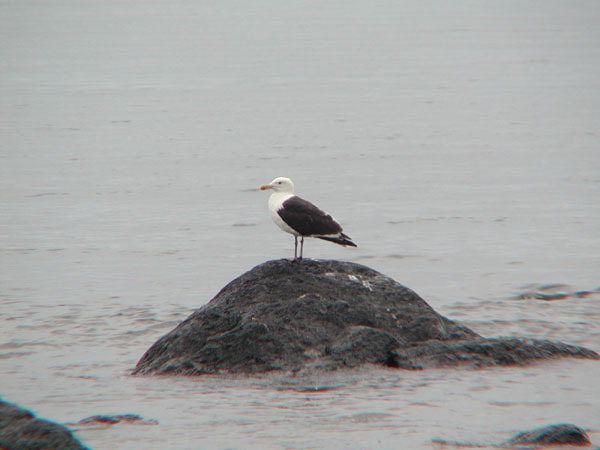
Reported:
(295, 247)
(301, 246)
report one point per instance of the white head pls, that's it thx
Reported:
(280, 184)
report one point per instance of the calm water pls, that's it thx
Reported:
(458, 143)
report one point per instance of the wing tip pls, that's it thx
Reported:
(341, 239)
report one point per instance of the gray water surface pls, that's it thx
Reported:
(457, 143)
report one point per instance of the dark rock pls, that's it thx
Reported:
(563, 434)
(21, 430)
(293, 315)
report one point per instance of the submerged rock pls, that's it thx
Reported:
(545, 437)
(20, 429)
(563, 434)
(104, 420)
(293, 315)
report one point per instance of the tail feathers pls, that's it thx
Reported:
(341, 239)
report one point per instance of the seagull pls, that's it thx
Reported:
(301, 218)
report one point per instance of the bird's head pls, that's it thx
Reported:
(280, 184)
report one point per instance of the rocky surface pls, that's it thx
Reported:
(296, 315)
(21, 430)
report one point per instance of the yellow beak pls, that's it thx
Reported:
(266, 186)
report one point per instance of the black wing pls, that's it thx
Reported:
(307, 219)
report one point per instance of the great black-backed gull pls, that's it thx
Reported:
(301, 218)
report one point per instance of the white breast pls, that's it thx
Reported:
(275, 204)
